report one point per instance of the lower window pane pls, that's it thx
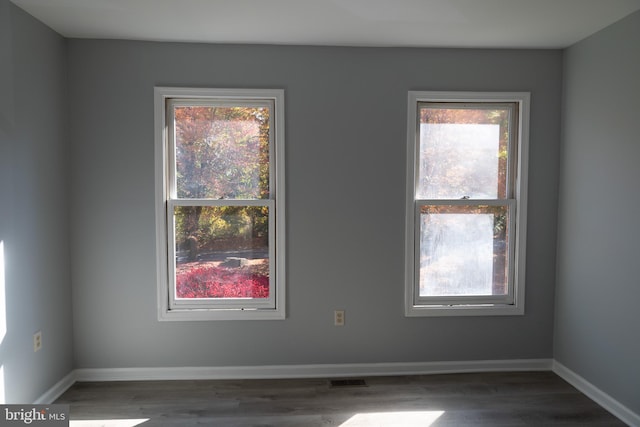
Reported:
(463, 250)
(222, 252)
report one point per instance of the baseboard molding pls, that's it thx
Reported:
(289, 371)
(309, 371)
(57, 390)
(594, 393)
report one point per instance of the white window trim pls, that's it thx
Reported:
(414, 308)
(165, 312)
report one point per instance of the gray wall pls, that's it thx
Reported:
(597, 331)
(33, 206)
(345, 142)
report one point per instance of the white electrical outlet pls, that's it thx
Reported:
(338, 317)
(37, 341)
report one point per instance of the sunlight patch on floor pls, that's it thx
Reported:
(393, 419)
(108, 423)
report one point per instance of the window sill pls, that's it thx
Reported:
(463, 310)
(220, 314)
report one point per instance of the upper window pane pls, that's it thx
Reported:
(221, 152)
(463, 151)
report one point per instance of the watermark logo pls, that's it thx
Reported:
(34, 415)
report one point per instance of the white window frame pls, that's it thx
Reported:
(513, 303)
(169, 308)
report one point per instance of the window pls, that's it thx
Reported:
(466, 203)
(220, 203)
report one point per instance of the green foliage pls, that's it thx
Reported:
(222, 227)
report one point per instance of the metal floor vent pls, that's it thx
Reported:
(349, 383)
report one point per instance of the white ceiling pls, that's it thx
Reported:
(419, 23)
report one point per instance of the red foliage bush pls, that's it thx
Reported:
(216, 282)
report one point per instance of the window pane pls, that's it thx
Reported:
(222, 252)
(463, 152)
(463, 250)
(222, 152)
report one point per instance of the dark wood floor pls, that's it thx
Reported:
(486, 399)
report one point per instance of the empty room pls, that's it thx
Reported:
(337, 213)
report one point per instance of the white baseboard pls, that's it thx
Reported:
(309, 371)
(594, 393)
(290, 371)
(57, 390)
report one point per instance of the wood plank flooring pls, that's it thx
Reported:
(483, 399)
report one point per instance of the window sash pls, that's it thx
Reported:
(172, 187)
(221, 303)
(426, 301)
(512, 144)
